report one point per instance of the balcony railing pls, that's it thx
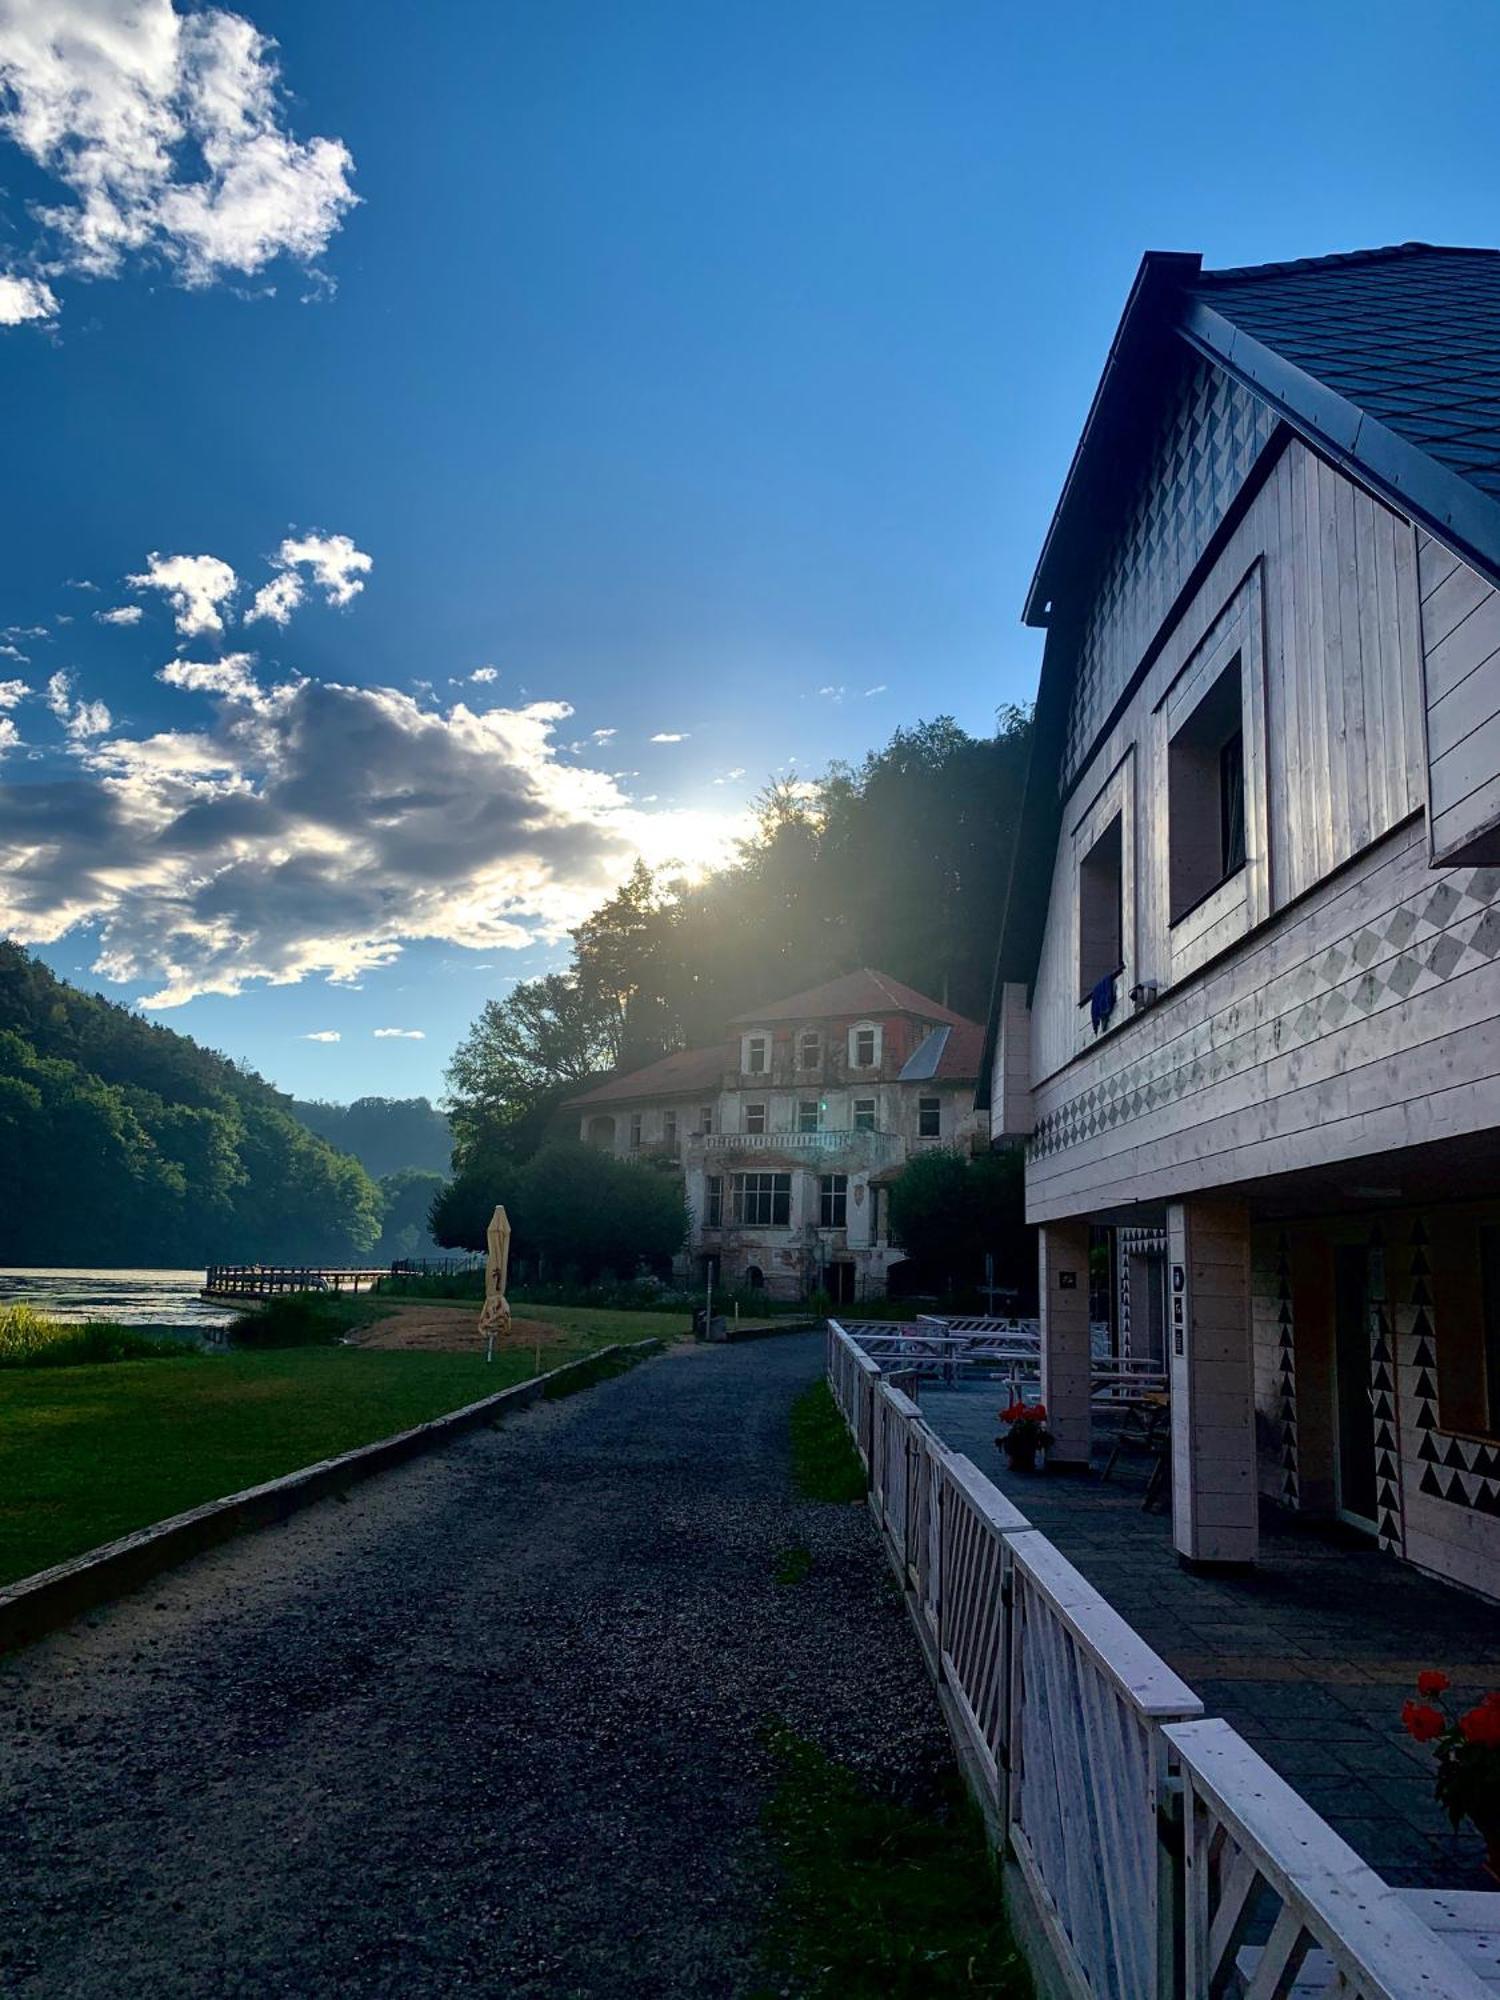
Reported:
(872, 1146)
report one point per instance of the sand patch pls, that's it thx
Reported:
(451, 1329)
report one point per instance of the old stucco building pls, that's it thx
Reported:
(1249, 986)
(789, 1133)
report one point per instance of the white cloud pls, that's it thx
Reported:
(23, 300)
(485, 674)
(196, 587)
(833, 693)
(400, 1034)
(667, 736)
(728, 777)
(10, 652)
(602, 735)
(879, 688)
(311, 830)
(10, 736)
(322, 1035)
(334, 565)
(79, 583)
(11, 692)
(122, 614)
(230, 676)
(81, 719)
(167, 134)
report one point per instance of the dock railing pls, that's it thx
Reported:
(1149, 1845)
(264, 1281)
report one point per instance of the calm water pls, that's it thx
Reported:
(134, 1298)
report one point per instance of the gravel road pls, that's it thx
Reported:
(493, 1724)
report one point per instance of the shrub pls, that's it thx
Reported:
(298, 1319)
(29, 1340)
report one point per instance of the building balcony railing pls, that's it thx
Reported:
(876, 1148)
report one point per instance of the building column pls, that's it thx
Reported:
(1215, 1509)
(1063, 1258)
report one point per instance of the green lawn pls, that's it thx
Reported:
(90, 1453)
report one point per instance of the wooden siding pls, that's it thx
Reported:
(1013, 1115)
(1318, 590)
(1367, 1018)
(1461, 647)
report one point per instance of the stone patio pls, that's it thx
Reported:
(1309, 1657)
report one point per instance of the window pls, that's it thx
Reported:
(809, 1049)
(833, 1201)
(864, 1047)
(669, 1127)
(763, 1201)
(808, 1119)
(929, 1117)
(1101, 910)
(706, 1120)
(755, 1118)
(1206, 794)
(635, 1128)
(714, 1189)
(757, 1054)
(864, 1114)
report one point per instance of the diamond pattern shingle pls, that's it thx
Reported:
(1411, 335)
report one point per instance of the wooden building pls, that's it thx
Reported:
(789, 1133)
(1248, 996)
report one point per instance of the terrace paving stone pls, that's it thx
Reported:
(1309, 1655)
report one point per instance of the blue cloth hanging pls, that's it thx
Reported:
(1102, 1001)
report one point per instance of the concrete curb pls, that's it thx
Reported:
(39, 1604)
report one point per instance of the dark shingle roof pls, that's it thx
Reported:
(1410, 335)
(862, 992)
(685, 1072)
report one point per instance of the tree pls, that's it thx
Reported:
(573, 1208)
(546, 1034)
(387, 1135)
(949, 1212)
(407, 1200)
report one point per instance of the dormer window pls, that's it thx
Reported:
(864, 1046)
(809, 1049)
(757, 1055)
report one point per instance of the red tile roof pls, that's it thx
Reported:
(862, 992)
(687, 1071)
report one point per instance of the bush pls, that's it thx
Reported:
(298, 1319)
(29, 1340)
(573, 1209)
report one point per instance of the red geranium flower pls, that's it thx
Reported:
(1432, 1680)
(1423, 1721)
(1482, 1725)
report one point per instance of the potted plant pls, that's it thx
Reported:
(1467, 1748)
(1026, 1441)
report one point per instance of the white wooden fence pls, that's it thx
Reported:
(1163, 1859)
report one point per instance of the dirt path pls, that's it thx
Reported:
(494, 1725)
(441, 1328)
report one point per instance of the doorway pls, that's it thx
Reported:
(1148, 1307)
(838, 1282)
(1354, 1460)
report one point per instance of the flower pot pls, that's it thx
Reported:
(1022, 1453)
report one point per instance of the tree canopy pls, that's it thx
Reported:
(898, 862)
(949, 1212)
(576, 1210)
(387, 1135)
(121, 1141)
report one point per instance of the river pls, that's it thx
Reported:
(133, 1298)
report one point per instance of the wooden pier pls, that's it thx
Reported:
(266, 1281)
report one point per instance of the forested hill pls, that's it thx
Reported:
(122, 1142)
(387, 1135)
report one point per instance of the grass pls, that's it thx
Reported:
(793, 1564)
(878, 1898)
(90, 1453)
(29, 1340)
(825, 1465)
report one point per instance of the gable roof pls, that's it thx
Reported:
(862, 992)
(686, 1071)
(1387, 361)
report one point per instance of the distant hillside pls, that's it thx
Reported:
(387, 1135)
(122, 1142)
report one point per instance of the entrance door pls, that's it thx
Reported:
(1148, 1307)
(1351, 1357)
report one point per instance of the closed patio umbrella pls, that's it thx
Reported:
(495, 1319)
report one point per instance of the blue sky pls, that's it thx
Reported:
(707, 372)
